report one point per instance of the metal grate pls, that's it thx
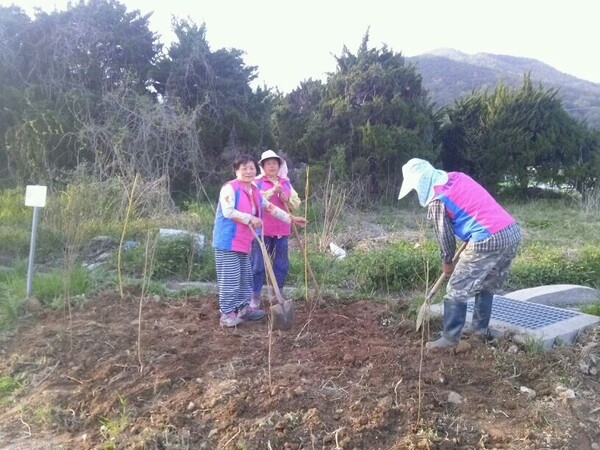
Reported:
(526, 314)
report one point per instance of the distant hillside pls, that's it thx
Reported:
(449, 74)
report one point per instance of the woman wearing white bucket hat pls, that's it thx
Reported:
(277, 188)
(240, 209)
(460, 207)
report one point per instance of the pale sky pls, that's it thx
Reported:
(293, 41)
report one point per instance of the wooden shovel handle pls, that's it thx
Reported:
(423, 309)
(268, 265)
(443, 276)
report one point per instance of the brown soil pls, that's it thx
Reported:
(349, 375)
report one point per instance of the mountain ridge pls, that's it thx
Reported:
(449, 74)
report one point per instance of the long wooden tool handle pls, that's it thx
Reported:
(301, 245)
(268, 265)
(423, 309)
(443, 276)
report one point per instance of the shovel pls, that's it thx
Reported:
(425, 306)
(282, 314)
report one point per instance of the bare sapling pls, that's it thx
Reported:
(149, 254)
(123, 233)
(73, 228)
(333, 202)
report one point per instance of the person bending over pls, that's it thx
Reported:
(460, 207)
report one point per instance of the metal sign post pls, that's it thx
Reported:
(34, 196)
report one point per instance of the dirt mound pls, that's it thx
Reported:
(349, 375)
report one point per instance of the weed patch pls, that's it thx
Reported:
(592, 308)
(8, 386)
(396, 267)
(539, 264)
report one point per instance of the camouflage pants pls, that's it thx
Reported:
(478, 271)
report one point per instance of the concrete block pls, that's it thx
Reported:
(528, 321)
(557, 295)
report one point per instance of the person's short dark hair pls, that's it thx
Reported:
(240, 160)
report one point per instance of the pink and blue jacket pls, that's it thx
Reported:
(475, 214)
(273, 226)
(233, 233)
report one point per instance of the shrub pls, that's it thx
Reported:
(200, 217)
(12, 207)
(592, 308)
(538, 264)
(327, 271)
(173, 258)
(52, 287)
(11, 298)
(393, 268)
(15, 220)
(12, 292)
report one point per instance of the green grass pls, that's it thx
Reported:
(533, 346)
(562, 223)
(561, 241)
(561, 244)
(8, 386)
(112, 427)
(51, 289)
(199, 217)
(169, 259)
(544, 263)
(591, 308)
(396, 267)
(12, 293)
(327, 271)
(13, 209)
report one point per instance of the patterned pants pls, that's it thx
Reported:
(478, 271)
(234, 277)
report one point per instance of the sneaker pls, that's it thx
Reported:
(249, 313)
(230, 319)
(441, 343)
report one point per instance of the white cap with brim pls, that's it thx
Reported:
(270, 154)
(421, 176)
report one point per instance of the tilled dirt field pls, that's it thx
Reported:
(349, 375)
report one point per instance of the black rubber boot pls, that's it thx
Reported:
(482, 312)
(455, 314)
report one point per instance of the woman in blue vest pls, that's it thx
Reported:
(240, 208)
(460, 207)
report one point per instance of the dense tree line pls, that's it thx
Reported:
(370, 117)
(520, 135)
(90, 89)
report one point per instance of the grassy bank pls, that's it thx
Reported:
(390, 250)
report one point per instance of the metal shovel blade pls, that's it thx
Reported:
(282, 315)
(424, 309)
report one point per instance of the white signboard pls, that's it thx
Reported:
(35, 196)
